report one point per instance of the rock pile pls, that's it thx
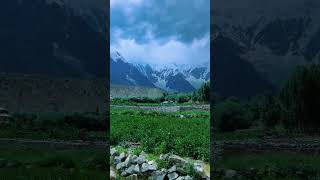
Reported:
(134, 167)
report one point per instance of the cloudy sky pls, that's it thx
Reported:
(161, 32)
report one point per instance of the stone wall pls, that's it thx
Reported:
(133, 166)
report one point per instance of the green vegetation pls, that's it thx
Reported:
(201, 96)
(295, 109)
(85, 126)
(271, 166)
(301, 99)
(161, 133)
(31, 163)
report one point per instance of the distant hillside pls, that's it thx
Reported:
(33, 93)
(122, 91)
(257, 44)
(64, 38)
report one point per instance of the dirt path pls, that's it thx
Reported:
(56, 144)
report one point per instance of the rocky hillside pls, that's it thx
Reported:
(53, 37)
(31, 93)
(256, 45)
(122, 91)
(172, 78)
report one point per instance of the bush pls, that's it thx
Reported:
(88, 121)
(182, 99)
(231, 115)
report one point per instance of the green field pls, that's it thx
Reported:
(42, 159)
(32, 163)
(84, 126)
(159, 132)
(288, 166)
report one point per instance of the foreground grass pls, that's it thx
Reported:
(273, 165)
(85, 126)
(163, 132)
(31, 163)
(62, 133)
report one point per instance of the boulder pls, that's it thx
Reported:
(159, 175)
(172, 176)
(178, 161)
(132, 177)
(120, 158)
(128, 161)
(164, 157)
(199, 170)
(114, 152)
(172, 169)
(120, 166)
(148, 167)
(113, 175)
(130, 170)
(137, 169)
(141, 159)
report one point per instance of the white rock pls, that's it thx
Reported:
(172, 176)
(137, 168)
(172, 169)
(130, 170)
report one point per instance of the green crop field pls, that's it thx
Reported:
(44, 126)
(288, 166)
(32, 163)
(159, 132)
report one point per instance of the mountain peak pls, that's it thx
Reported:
(116, 56)
(169, 77)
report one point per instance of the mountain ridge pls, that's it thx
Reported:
(172, 78)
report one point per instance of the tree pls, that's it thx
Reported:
(301, 98)
(204, 92)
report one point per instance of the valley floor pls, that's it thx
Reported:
(28, 162)
(260, 154)
(157, 130)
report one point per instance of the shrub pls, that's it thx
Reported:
(88, 121)
(231, 115)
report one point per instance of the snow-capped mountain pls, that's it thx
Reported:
(177, 78)
(257, 44)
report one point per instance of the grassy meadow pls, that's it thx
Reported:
(32, 163)
(160, 132)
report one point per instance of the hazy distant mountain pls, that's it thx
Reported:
(53, 37)
(177, 78)
(257, 44)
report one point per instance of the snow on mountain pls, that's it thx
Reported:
(116, 56)
(269, 37)
(173, 77)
